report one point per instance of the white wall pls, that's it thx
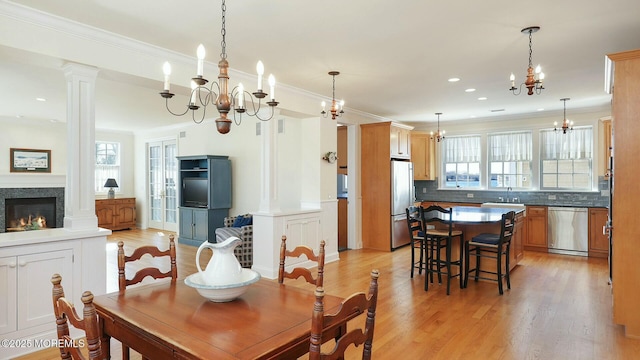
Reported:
(47, 135)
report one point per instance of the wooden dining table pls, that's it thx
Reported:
(170, 320)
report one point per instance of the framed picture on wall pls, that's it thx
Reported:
(30, 160)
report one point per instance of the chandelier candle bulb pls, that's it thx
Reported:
(513, 80)
(194, 86)
(324, 106)
(272, 86)
(240, 96)
(201, 54)
(166, 68)
(260, 71)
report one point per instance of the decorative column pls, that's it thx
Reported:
(79, 201)
(269, 199)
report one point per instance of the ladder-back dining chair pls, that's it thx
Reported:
(358, 303)
(66, 314)
(297, 272)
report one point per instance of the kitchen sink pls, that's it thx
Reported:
(505, 205)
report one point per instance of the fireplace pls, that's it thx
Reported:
(30, 214)
(31, 208)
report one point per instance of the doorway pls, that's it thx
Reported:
(342, 191)
(163, 173)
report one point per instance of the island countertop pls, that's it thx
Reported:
(479, 215)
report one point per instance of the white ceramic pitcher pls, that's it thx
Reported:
(223, 267)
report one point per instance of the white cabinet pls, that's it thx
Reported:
(302, 231)
(26, 288)
(8, 281)
(400, 142)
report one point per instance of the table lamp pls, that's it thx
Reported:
(111, 183)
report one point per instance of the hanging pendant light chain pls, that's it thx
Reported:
(223, 31)
(530, 49)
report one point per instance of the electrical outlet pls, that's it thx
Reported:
(469, 195)
(552, 197)
(424, 190)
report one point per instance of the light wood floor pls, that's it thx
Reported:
(559, 307)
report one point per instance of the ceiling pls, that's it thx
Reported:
(394, 57)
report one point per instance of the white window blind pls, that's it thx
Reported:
(516, 146)
(462, 149)
(575, 144)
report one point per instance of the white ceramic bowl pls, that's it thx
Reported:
(223, 293)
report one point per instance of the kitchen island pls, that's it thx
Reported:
(476, 220)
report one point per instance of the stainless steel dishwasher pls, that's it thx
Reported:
(568, 231)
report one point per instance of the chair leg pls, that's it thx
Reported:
(499, 260)
(439, 260)
(421, 257)
(460, 263)
(466, 263)
(507, 270)
(477, 251)
(413, 256)
(448, 263)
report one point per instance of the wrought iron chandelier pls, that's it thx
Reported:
(534, 78)
(440, 134)
(337, 107)
(566, 123)
(221, 98)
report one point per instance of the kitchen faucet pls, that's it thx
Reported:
(508, 193)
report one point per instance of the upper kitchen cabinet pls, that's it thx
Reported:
(400, 138)
(423, 156)
(342, 150)
(625, 196)
(390, 139)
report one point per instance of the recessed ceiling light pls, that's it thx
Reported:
(470, 90)
(541, 109)
(19, 116)
(496, 110)
(41, 99)
(472, 116)
(482, 98)
(454, 79)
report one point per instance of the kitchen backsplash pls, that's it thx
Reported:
(428, 191)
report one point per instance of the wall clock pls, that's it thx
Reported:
(331, 157)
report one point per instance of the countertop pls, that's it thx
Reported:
(478, 215)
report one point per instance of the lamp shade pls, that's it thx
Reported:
(111, 183)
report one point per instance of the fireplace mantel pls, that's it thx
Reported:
(32, 180)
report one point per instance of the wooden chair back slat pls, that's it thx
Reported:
(295, 273)
(137, 254)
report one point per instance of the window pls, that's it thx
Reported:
(107, 164)
(566, 159)
(510, 156)
(461, 161)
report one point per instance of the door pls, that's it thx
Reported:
(401, 186)
(163, 175)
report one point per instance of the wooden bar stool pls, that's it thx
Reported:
(437, 226)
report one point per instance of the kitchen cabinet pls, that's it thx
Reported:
(116, 214)
(343, 154)
(423, 156)
(376, 154)
(400, 142)
(625, 196)
(26, 289)
(343, 237)
(536, 238)
(606, 146)
(598, 242)
(516, 251)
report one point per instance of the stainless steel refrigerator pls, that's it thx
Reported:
(402, 196)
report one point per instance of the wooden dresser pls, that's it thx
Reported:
(116, 214)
